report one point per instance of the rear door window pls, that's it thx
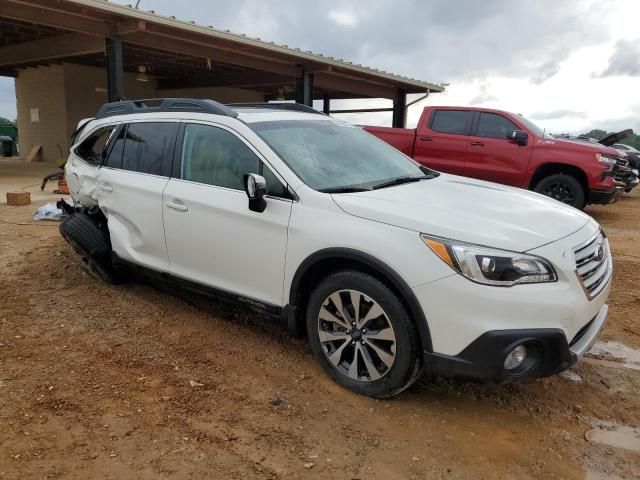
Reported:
(94, 148)
(148, 147)
(492, 125)
(451, 121)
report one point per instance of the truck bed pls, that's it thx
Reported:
(401, 138)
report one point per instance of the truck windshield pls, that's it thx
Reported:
(541, 132)
(334, 156)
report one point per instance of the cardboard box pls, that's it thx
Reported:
(18, 198)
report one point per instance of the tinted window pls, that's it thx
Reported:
(94, 147)
(215, 156)
(115, 155)
(147, 145)
(492, 125)
(450, 121)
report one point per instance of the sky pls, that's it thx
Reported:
(568, 65)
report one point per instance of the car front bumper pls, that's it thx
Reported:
(603, 197)
(548, 352)
(474, 326)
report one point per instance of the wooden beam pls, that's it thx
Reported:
(236, 79)
(17, 10)
(342, 84)
(206, 50)
(50, 48)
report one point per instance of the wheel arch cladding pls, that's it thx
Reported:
(325, 262)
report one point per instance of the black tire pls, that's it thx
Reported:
(92, 243)
(564, 188)
(407, 363)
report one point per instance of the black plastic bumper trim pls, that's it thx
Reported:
(548, 354)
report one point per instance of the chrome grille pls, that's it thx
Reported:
(593, 264)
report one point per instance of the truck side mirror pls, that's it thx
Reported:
(519, 136)
(255, 187)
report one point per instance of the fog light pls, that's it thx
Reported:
(515, 357)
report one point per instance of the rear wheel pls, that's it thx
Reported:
(362, 336)
(564, 188)
(93, 245)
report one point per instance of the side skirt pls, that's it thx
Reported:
(199, 288)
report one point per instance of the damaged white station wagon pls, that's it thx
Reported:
(390, 269)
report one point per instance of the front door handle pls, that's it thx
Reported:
(426, 139)
(477, 144)
(177, 206)
(106, 188)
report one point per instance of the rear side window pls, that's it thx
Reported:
(450, 121)
(492, 125)
(94, 148)
(215, 156)
(147, 146)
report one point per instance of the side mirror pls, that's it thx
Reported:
(519, 136)
(255, 187)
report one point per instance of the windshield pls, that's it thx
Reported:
(329, 155)
(534, 128)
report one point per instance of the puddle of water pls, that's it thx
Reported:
(615, 435)
(614, 354)
(570, 375)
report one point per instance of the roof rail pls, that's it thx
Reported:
(150, 105)
(296, 107)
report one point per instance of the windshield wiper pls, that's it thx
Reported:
(345, 189)
(400, 181)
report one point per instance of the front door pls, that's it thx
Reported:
(212, 236)
(492, 156)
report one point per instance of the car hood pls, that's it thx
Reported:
(584, 145)
(609, 140)
(468, 210)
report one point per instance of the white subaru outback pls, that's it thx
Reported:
(390, 269)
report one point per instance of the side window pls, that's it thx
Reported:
(93, 148)
(492, 125)
(450, 121)
(147, 145)
(215, 156)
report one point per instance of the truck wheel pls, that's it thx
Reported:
(92, 244)
(361, 334)
(564, 188)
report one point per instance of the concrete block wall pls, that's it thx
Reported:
(42, 88)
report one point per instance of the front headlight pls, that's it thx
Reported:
(606, 160)
(491, 266)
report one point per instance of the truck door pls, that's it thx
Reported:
(442, 140)
(492, 156)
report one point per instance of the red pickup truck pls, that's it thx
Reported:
(506, 148)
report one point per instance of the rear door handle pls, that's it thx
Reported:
(477, 144)
(177, 206)
(426, 139)
(106, 188)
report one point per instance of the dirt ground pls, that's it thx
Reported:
(129, 381)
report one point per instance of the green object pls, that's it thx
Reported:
(10, 130)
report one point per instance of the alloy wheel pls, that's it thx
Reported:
(356, 335)
(561, 192)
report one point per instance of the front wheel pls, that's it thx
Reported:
(362, 336)
(564, 188)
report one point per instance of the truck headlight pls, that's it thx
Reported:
(606, 160)
(491, 266)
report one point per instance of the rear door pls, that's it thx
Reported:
(492, 156)
(443, 140)
(212, 236)
(130, 186)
